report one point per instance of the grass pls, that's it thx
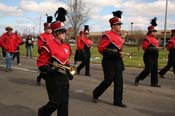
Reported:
(96, 57)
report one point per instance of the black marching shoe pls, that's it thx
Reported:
(78, 71)
(136, 82)
(87, 74)
(122, 105)
(94, 100)
(155, 85)
(38, 81)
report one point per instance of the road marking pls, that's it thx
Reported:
(23, 69)
(79, 91)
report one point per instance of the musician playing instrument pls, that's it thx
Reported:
(112, 62)
(57, 80)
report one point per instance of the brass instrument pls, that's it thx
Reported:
(123, 53)
(71, 69)
(127, 54)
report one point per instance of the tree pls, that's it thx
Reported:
(78, 14)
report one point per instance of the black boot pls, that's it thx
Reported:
(136, 82)
(38, 80)
(120, 105)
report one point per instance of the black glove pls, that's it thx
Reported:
(70, 76)
(43, 75)
(47, 68)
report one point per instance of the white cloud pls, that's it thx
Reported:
(136, 11)
(102, 3)
(42, 7)
(9, 10)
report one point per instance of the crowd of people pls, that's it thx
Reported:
(54, 54)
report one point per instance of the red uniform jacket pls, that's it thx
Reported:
(60, 51)
(150, 40)
(10, 42)
(171, 43)
(82, 41)
(43, 38)
(110, 37)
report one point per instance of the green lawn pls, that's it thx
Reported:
(135, 61)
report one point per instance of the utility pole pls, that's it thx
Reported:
(131, 27)
(165, 24)
(40, 24)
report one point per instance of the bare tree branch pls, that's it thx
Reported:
(78, 14)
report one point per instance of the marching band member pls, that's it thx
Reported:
(84, 44)
(56, 51)
(150, 57)
(171, 56)
(79, 50)
(42, 40)
(112, 63)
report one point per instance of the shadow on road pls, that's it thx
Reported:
(154, 113)
(80, 96)
(16, 110)
(22, 81)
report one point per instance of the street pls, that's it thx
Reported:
(20, 96)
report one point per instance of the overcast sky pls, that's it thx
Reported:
(25, 15)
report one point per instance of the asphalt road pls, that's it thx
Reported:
(20, 96)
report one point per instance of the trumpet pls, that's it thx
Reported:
(71, 69)
(123, 53)
(127, 54)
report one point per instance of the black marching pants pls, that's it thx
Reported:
(151, 66)
(113, 72)
(58, 93)
(86, 61)
(170, 63)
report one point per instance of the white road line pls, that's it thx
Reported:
(23, 69)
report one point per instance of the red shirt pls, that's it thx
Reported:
(10, 42)
(82, 41)
(59, 51)
(43, 38)
(171, 43)
(80, 44)
(150, 40)
(110, 37)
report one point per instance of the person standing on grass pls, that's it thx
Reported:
(110, 47)
(171, 55)
(29, 46)
(150, 57)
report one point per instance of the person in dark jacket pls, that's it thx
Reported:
(110, 47)
(150, 57)
(29, 46)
